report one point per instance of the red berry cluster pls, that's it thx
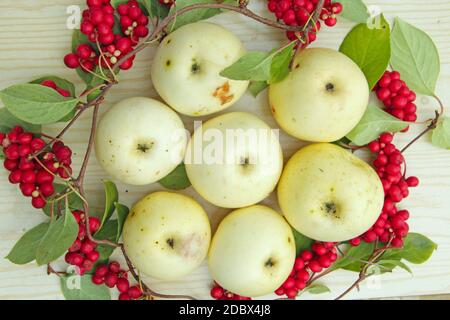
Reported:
(82, 253)
(396, 96)
(321, 256)
(391, 225)
(112, 276)
(52, 84)
(298, 13)
(219, 293)
(98, 24)
(31, 167)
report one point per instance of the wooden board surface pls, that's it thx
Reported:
(33, 40)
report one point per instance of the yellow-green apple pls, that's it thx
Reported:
(329, 194)
(185, 69)
(252, 251)
(166, 235)
(140, 140)
(234, 160)
(323, 97)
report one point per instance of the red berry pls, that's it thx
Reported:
(84, 51)
(97, 280)
(289, 283)
(97, 16)
(135, 292)
(81, 231)
(291, 293)
(87, 246)
(111, 280)
(106, 39)
(217, 292)
(279, 291)
(47, 189)
(370, 236)
(355, 242)
(12, 152)
(314, 266)
(412, 181)
(37, 144)
(94, 224)
(75, 259)
(399, 102)
(141, 31)
(124, 296)
(383, 94)
(49, 83)
(63, 92)
(94, 3)
(101, 270)
(122, 285)
(374, 146)
(87, 28)
(337, 8)
(324, 261)
(10, 165)
(330, 22)
(122, 9)
(299, 264)
(63, 153)
(38, 202)
(114, 267)
(410, 117)
(109, 20)
(28, 176)
(93, 256)
(15, 176)
(125, 21)
(397, 243)
(76, 245)
(127, 64)
(43, 176)
(395, 194)
(319, 249)
(88, 265)
(123, 45)
(395, 85)
(142, 20)
(71, 61)
(103, 29)
(134, 13)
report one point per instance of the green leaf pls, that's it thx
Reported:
(107, 232)
(301, 242)
(254, 65)
(417, 249)
(354, 10)
(75, 287)
(415, 56)
(369, 49)
(193, 15)
(156, 9)
(8, 121)
(59, 237)
(256, 87)
(122, 214)
(374, 122)
(317, 289)
(354, 257)
(389, 265)
(440, 136)
(280, 64)
(74, 201)
(177, 179)
(24, 251)
(60, 83)
(111, 197)
(36, 104)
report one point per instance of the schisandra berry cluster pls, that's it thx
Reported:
(113, 276)
(396, 96)
(83, 253)
(219, 293)
(391, 225)
(299, 13)
(321, 256)
(98, 24)
(34, 164)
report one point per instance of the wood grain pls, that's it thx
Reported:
(33, 40)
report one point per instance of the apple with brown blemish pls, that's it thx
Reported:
(187, 65)
(166, 235)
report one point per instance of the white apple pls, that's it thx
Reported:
(185, 70)
(322, 99)
(140, 140)
(329, 194)
(252, 251)
(166, 235)
(234, 160)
